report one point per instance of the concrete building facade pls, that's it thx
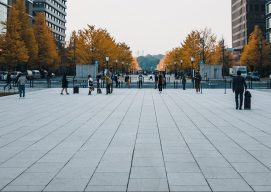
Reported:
(55, 12)
(3, 13)
(245, 15)
(268, 20)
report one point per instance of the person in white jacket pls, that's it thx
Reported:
(90, 85)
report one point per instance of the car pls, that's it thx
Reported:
(3, 75)
(14, 74)
(36, 74)
(253, 76)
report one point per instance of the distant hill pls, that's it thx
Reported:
(149, 62)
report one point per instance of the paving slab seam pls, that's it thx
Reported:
(177, 127)
(132, 101)
(135, 142)
(210, 141)
(47, 151)
(102, 109)
(234, 140)
(161, 146)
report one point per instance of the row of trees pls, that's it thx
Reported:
(27, 45)
(31, 45)
(203, 47)
(93, 44)
(199, 46)
(257, 53)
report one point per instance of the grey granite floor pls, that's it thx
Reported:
(135, 140)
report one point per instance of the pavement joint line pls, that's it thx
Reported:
(36, 114)
(130, 171)
(129, 107)
(102, 108)
(177, 127)
(237, 142)
(47, 151)
(161, 146)
(210, 141)
(32, 131)
(229, 122)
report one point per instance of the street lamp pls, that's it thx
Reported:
(116, 67)
(260, 47)
(192, 69)
(181, 66)
(175, 65)
(122, 67)
(107, 62)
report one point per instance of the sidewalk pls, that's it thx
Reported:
(135, 140)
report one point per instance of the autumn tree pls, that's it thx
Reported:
(14, 48)
(256, 54)
(27, 33)
(47, 51)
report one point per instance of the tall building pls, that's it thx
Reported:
(55, 12)
(245, 15)
(3, 13)
(28, 6)
(268, 20)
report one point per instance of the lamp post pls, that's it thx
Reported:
(122, 68)
(222, 43)
(116, 66)
(175, 67)
(107, 62)
(192, 70)
(181, 61)
(260, 47)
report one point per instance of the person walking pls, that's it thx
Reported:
(90, 85)
(127, 80)
(8, 81)
(140, 82)
(197, 81)
(238, 87)
(156, 80)
(21, 83)
(64, 84)
(184, 82)
(108, 82)
(160, 82)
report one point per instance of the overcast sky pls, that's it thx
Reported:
(152, 26)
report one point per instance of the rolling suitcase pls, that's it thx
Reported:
(247, 104)
(76, 90)
(99, 91)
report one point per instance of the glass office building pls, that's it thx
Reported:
(3, 13)
(55, 11)
(245, 15)
(268, 20)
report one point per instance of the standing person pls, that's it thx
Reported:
(156, 80)
(8, 81)
(21, 83)
(108, 82)
(197, 81)
(98, 79)
(183, 82)
(160, 82)
(127, 80)
(238, 87)
(90, 85)
(140, 82)
(64, 84)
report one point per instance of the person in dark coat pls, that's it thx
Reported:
(197, 81)
(160, 82)
(238, 87)
(183, 82)
(156, 80)
(64, 84)
(8, 81)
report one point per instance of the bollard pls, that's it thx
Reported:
(225, 81)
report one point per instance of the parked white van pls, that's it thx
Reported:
(36, 74)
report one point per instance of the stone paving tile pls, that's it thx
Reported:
(148, 185)
(229, 185)
(147, 140)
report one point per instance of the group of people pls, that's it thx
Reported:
(20, 80)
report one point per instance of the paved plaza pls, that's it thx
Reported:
(135, 140)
